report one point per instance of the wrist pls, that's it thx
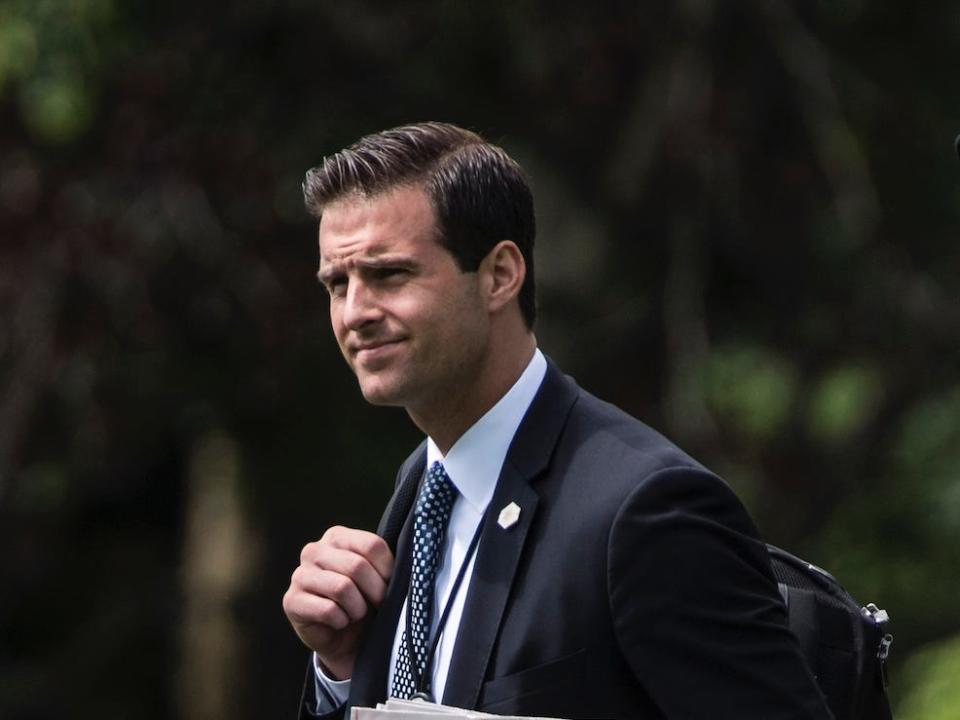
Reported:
(333, 669)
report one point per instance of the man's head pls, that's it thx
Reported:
(479, 195)
(420, 239)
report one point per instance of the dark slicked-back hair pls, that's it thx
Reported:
(479, 193)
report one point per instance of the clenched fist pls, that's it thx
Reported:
(340, 578)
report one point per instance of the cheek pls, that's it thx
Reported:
(336, 322)
(410, 311)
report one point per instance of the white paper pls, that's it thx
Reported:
(395, 709)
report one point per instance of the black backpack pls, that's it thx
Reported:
(846, 645)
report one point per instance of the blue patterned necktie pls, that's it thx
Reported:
(430, 519)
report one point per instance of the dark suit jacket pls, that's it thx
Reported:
(633, 585)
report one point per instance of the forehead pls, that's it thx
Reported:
(398, 220)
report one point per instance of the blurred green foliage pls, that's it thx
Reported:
(843, 402)
(751, 391)
(931, 676)
(748, 216)
(52, 55)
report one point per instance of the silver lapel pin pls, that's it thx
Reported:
(508, 516)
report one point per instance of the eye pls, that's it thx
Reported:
(337, 285)
(389, 273)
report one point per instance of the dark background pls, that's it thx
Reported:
(748, 222)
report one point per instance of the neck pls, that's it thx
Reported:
(449, 417)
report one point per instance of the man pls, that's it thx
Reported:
(561, 558)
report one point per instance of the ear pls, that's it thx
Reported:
(502, 273)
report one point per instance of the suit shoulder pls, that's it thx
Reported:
(614, 438)
(637, 469)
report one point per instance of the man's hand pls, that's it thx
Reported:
(340, 578)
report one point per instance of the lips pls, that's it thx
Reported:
(371, 353)
(361, 347)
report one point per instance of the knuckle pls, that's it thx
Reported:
(296, 577)
(354, 565)
(291, 606)
(340, 586)
(373, 543)
(379, 550)
(333, 533)
(307, 552)
(329, 614)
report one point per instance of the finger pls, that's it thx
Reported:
(334, 586)
(354, 566)
(304, 608)
(371, 546)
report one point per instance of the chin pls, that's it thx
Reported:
(379, 394)
(381, 400)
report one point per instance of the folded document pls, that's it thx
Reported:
(394, 709)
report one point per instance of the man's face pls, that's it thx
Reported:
(410, 323)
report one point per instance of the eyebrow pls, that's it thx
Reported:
(335, 268)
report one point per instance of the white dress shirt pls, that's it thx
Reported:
(473, 465)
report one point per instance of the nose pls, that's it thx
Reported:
(360, 307)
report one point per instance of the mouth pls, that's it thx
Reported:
(368, 353)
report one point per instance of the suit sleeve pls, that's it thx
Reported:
(315, 702)
(696, 610)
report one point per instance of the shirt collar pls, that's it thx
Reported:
(476, 458)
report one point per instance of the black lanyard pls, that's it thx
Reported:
(421, 681)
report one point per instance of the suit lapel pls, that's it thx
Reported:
(500, 548)
(493, 574)
(397, 513)
(369, 684)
